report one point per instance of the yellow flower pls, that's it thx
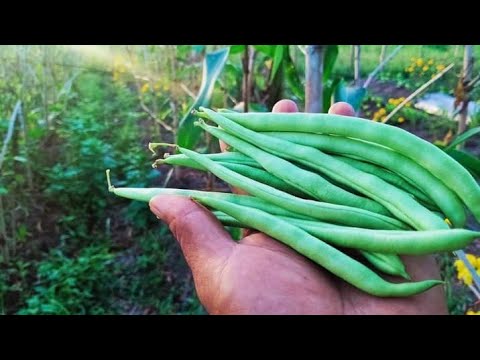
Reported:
(465, 276)
(391, 101)
(383, 118)
(472, 259)
(462, 271)
(410, 69)
(425, 68)
(145, 88)
(401, 119)
(430, 62)
(471, 312)
(440, 67)
(382, 111)
(419, 62)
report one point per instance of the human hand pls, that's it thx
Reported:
(260, 275)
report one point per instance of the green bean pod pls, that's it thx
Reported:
(388, 263)
(395, 200)
(437, 162)
(382, 241)
(146, 194)
(307, 181)
(338, 263)
(389, 177)
(441, 195)
(323, 211)
(234, 157)
(246, 170)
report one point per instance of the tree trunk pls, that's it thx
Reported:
(356, 65)
(314, 78)
(466, 77)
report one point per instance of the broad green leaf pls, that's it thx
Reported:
(463, 137)
(293, 79)
(189, 134)
(20, 159)
(278, 59)
(329, 88)
(352, 95)
(268, 50)
(470, 162)
(331, 54)
(467, 160)
(235, 49)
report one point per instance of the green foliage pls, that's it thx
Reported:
(92, 143)
(460, 139)
(352, 95)
(188, 134)
(72, 285)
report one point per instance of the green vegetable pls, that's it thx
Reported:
(445, 168)
(318, 251)
(382, 241)
(417, 175)
(307, 181)
(323, 211)
(395, 200)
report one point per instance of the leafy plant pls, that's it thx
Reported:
(72, 285)
(188, 134)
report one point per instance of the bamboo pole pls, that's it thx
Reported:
(417, 92)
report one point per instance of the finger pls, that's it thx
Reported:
(342, 108)
(285, 106)
(203, 240)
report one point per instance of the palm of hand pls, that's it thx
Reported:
(263, 276)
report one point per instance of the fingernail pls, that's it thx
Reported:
(155, 208)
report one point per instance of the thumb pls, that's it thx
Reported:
(205, 244)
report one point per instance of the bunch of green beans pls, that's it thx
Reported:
(325, 183)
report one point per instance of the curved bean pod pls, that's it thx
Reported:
(383, 241)
(323, 211)
(318, 251)
(146, 194)
(252, 172)
(388, 263)
(307, 181)
(395, 200)
(230, 157)
(440, 164)
(388, 176)
(441, 195)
